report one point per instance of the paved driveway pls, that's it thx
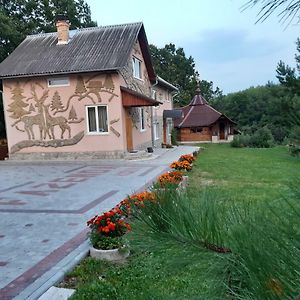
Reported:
(44, 208)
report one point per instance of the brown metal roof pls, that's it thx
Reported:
(198, 114)
(132, 98)
(105, 48)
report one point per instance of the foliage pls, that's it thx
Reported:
(187, 157)
(174, 137)
(181, 165)
(291, 8)
(255, 108)
(135, 200)
(262, 138)
(107, 229)
(172, 65)
(274, 106)
(170, 178)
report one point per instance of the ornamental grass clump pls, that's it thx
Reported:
(107, 230)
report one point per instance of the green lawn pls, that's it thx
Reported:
(246, 173)
(176, 270)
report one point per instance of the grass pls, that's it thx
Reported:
(172, 269)
(246, 173)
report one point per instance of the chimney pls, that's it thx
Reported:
(62, 27)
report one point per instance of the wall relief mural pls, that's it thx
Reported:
(38, 113)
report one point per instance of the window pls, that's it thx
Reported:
(97, 119)
(154, 94)
(137, 70)
(196, 130)
(61, 81)
(142, 119)
(156, 130)
(169, 126)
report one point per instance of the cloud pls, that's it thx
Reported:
(225, 45)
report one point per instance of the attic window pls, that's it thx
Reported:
(61, 81)
(137, 68)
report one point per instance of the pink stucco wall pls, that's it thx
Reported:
(91, 141)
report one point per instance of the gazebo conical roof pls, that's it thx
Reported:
(198, 113)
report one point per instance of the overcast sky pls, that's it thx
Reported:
(226, 44)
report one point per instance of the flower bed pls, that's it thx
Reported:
(108, 229)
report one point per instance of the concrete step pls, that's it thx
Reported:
(134, 155)
(55, 293)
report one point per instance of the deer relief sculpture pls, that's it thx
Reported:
(37, 119)
(60, 121)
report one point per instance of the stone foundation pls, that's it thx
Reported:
(68, 155)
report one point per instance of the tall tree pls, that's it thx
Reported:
(290, 77)
(172, 64)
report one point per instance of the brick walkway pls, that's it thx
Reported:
(44, 208)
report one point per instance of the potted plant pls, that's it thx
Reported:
(107, 236)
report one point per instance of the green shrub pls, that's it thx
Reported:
(240, 141)
(261, 138)
(174, 137)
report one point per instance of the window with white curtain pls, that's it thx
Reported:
(97, 119)
(156, 130)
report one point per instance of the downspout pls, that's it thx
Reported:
(152, 129)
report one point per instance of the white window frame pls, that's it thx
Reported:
(137, 65)
(97, 121)
(156, 131)
(58, 79)
(142, 119)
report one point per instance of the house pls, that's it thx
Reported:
(163, 114)
(82, 93)
(202, 123)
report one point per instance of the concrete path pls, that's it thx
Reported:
(44, 207)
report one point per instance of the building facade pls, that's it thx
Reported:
(83, 93)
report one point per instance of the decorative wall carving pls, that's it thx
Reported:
(33, 112)
(91, 89)
(53, 143)
(113, 130)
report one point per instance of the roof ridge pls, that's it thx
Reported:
(85, 29)
(213, 109)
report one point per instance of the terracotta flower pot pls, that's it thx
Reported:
(109, 255)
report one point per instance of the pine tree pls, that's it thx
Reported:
(56, 103)
(31, 108)
(18, 105)
(72, 114)
(80, 86)
(108, 83)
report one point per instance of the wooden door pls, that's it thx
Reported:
(222, 131)
(129, 131)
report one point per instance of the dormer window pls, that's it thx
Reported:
(137, 68)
